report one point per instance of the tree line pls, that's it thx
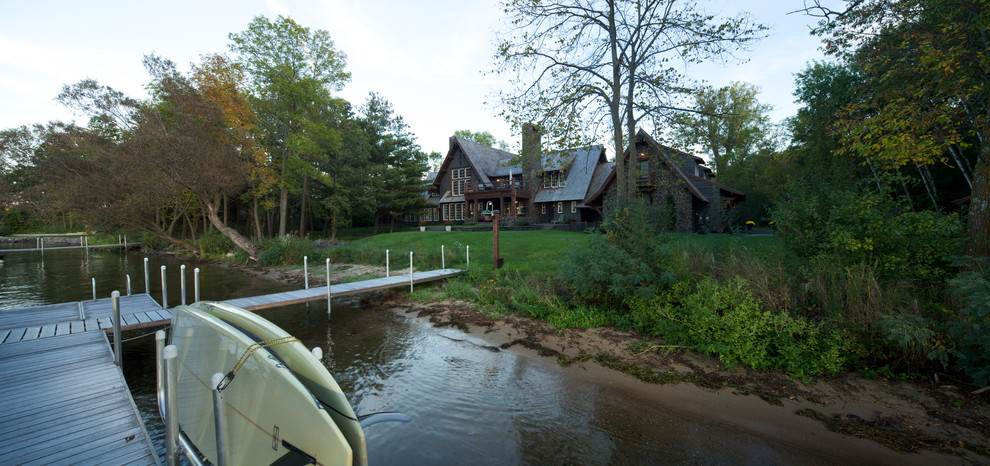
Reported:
(253, 144)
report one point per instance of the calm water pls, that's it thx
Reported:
(469, 405)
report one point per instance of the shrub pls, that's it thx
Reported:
(847, 226)
(288, 250)
(724, 319)
(213, 244)
(972, 327)
(627, 258)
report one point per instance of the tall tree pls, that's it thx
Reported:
(927, 66)
(575, 63)
(223, 82)
(293, 72)
(399, 164)
(728, 123)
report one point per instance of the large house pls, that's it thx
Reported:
(475, 180)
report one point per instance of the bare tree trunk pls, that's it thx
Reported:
(283, 210)
(614, 106)
(928, 188)
(907, 194)
(979, 203)
(302, 209)
(225, 210)
(957, 157)
(250, 248)
(257, 221)
(192, 226)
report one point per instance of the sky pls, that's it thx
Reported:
(426, 57)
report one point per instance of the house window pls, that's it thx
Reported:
(454, 211)
(459, 179)
(553, 179)
(560, 207)
(543, 208)
(573, 207)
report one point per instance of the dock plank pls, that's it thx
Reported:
(48, 394)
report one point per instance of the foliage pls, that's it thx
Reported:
(729, 124)
(287, 250)
(858, 225)
(972, 328)
(926, 88)
(214, 244)
(724, 319)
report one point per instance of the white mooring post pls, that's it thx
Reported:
(147, 282)
(115, 299)
(196, 284)
(218, 424)
(125, 241)
(80, 241)
(328, 286)
(468, 253)
(182, 283)
(443, 262)
(94, 288)
(128, 284)
(306, 272)
(386, 263)
(42, 243)
(171, 407)
(164, 290)
(410, 272)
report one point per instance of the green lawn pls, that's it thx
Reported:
(525, 251)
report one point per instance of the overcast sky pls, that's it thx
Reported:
(426, 56)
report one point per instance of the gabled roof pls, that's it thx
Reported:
(709, 186)
(485, 160)
(691, 183)
(578, 166)
(663, 150)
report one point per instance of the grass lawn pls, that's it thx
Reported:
(525, 251)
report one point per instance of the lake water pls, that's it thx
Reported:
(469, 404)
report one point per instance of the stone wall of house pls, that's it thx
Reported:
(669, 188)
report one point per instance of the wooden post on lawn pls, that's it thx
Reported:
(496, 260)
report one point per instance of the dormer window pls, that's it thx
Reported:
(554, 179)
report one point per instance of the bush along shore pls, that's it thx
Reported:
(892, 354)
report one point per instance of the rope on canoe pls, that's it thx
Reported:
(247, 354)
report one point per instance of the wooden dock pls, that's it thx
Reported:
(63, 400)
(59, 248)
(31, 323)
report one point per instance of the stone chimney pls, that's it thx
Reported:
(532, 141)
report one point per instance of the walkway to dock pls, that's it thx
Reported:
(141, 310)
(344, 289)
(64, 401)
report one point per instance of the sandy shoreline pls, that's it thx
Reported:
(877, 418)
